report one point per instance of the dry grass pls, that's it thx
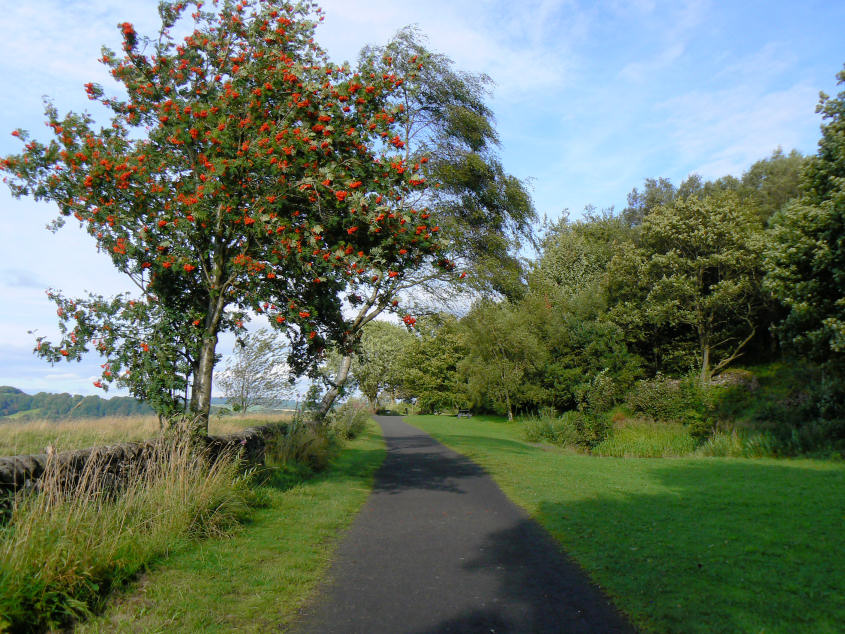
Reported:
(63, 548)
(33, 437)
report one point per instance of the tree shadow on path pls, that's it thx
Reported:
(540, 589)
(419, 462)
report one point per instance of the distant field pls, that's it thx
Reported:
(33, 436)
(681, 544)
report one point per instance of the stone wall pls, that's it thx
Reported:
(23, 472)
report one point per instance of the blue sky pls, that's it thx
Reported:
(591, 98)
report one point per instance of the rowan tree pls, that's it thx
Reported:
(241, 170)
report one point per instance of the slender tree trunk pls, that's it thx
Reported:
(705, 362)
(203, 376)
(339, 381)
(362, 319)
(201, 394)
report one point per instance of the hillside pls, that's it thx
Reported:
(17, 404)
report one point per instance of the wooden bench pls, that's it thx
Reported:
(464, 413)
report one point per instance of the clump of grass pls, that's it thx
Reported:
(739, 444)
(64, 547)
(350, 419)
(571, 429)
(643, 439)
(561, 430)
(302, 451)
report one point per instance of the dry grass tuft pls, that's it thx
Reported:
(63, 548)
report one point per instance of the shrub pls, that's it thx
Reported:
(597, 395)
(64, 547)
(643, 439)
(350, 419)
(677, 400)
(572, 428)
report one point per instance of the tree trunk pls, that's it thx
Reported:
(339, 381)
(201, 393)
(705, 363)
(204, 370)
(507, 397)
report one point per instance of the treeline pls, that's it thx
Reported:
(647, 311)
(53, 406)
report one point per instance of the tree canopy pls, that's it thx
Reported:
(242, 171)
(806, 260)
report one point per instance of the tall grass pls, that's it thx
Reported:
(64, 547)
(550, 428)
(350, 419)
(739, 444)
(33, 437)
(645, 439)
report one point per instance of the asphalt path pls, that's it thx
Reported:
(439, 548)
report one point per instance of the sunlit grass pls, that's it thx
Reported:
(34, 436)
(259, 578)
(62, 548)
(686, 544)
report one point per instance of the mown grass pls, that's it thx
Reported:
(256, 579)
(681, 544)
(34, 436)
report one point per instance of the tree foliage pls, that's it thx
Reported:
(697, 269)
(378, 363)
(806, 260)
(430, 364)
(242, 171)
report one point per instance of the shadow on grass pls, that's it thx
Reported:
(349, 463)
(726, 546)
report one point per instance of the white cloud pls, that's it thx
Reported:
(723, 132)
(642, 70)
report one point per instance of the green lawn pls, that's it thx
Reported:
(681, 544)
(255, 580)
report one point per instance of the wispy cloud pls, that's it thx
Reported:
(21, 278)
(677, 25)
(723, 132)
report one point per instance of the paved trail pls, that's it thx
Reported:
(439, 548)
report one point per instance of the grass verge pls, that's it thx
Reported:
(63, 548)
(681, 544)
(256, 579)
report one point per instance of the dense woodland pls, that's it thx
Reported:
(718, 304)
